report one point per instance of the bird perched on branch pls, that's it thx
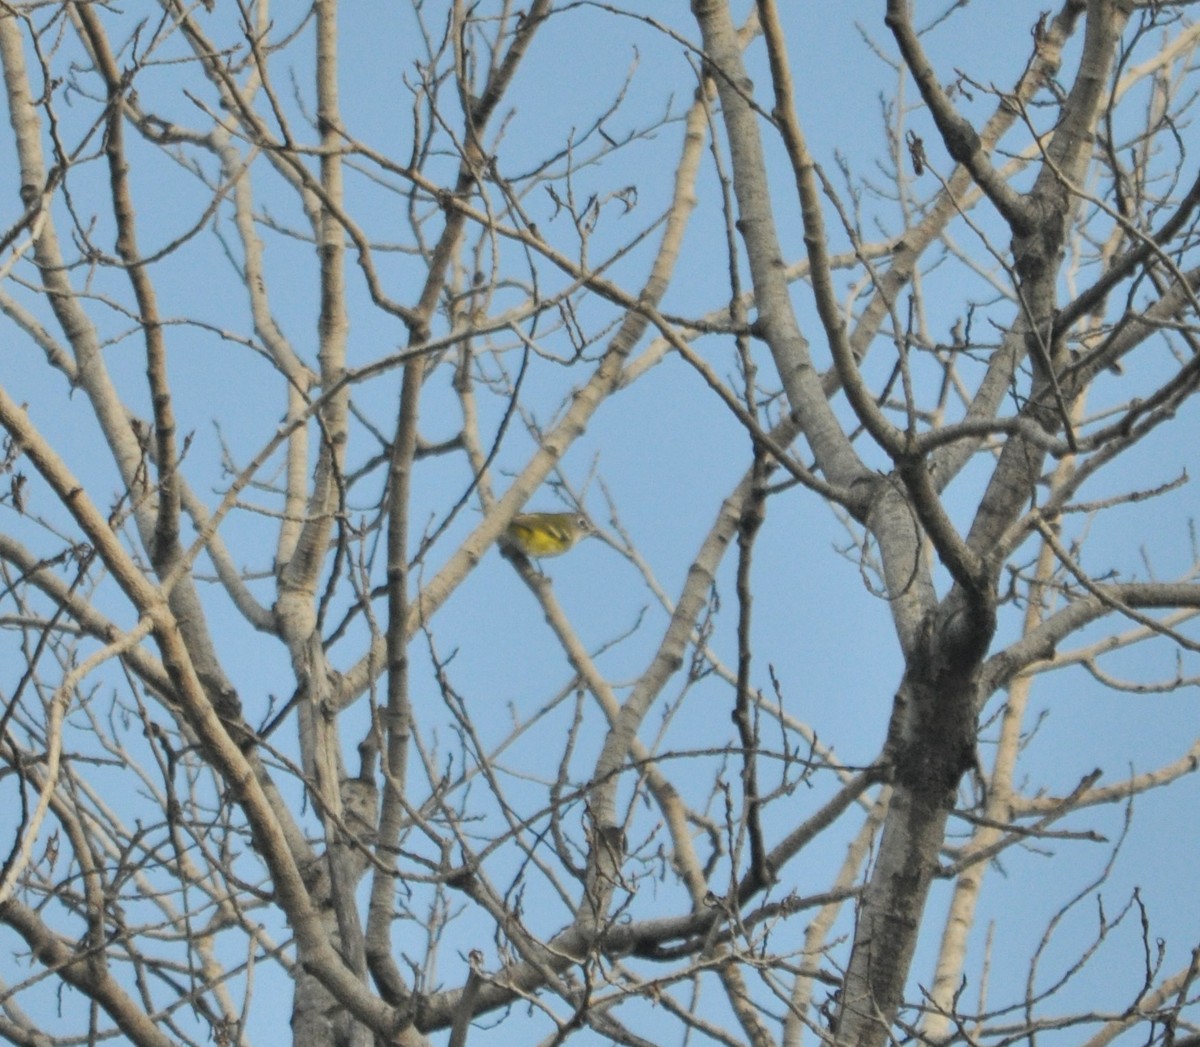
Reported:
(547, 534)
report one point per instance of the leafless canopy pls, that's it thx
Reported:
(302, 305)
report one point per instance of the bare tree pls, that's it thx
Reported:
(304, 307)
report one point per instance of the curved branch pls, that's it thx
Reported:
(1038, 645)
(960, 138)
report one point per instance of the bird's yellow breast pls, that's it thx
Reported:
(540, 537)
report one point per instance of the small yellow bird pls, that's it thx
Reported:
(547, 534)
